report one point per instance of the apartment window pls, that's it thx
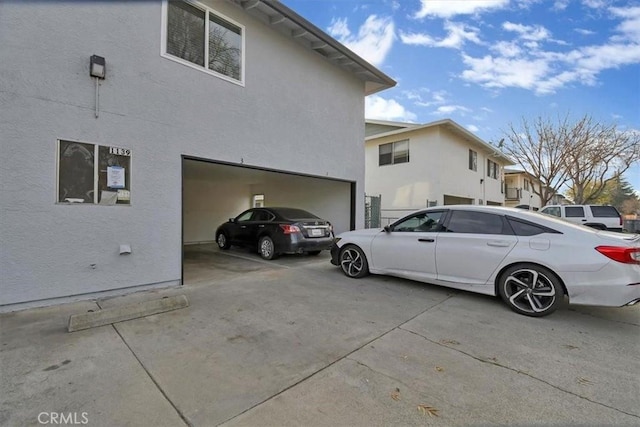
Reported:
(203, 38)
(393, 152)
(492, 169)
(90, 173)
(473, 160)
(526, 185)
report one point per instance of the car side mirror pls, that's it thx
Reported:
(232, 220)
(387, 229)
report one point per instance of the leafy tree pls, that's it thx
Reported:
(617, 192)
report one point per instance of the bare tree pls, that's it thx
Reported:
(598, 154)
(539, 149)
(584, 154)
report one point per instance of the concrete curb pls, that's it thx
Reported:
(78, 322)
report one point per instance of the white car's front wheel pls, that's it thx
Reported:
(530, 289)
(353, 262)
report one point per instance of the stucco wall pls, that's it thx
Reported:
(295, 112)
(438, 165)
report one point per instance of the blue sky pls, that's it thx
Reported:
(489, 63)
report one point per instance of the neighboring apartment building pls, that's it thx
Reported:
(412, 166)
(185, 115)
(519, 191)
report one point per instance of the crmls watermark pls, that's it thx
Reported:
(63, 418)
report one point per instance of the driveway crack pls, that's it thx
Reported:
(518, 371)
(150, 375)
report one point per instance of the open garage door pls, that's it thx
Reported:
(213, 192)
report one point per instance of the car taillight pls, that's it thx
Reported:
(289, 229)
(622, 254)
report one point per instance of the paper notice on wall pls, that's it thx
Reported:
(115, 177)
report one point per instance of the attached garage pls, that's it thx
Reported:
(171, 142)
(214, 191)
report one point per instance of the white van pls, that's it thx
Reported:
(596, 216)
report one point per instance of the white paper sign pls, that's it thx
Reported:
(115, 177)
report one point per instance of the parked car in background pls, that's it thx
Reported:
(599, 217)
(531, 260)
(275, 231)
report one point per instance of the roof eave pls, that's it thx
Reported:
(288, 22)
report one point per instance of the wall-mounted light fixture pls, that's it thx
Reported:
(97, 69)
(97, 66)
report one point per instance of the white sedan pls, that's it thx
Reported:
(531, 260)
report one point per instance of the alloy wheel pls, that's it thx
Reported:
(266, 248)
(530, 291)
(352, 262)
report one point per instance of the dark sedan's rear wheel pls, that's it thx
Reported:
(314, 252)
(530, 289)
(353, 262)
(266, 248)
(223, 241)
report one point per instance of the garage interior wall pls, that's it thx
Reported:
(213, 193)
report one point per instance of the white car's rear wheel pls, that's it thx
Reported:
(530, 289)
(353, 262)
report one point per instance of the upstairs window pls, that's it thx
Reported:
(393, 152)
(492, 169)
(205, 39)
(473, 160)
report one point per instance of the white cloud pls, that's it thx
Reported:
(595, 4)
(458, 34)
(507, 49)
(473, 128)
(560, 5)
(584, 32)
(528, 32)
(373, 41)
(522, 63)
(376, 107)
(424, 97)
(339, 28)
(446, 110)
(499, 72)
(630, 26)
(449, 8)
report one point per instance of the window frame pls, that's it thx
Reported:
(473, 160)
(495, 173)
(205, 69)
(97, 173)
(393, 152)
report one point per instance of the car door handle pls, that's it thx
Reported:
(261, 225)
(426, 240)
(499, 244)
(243, 226)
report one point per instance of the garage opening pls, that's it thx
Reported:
(214, 191)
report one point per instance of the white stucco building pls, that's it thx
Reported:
(204, 108)
(519, 190)
(412, 166)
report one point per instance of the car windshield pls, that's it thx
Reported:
(293, 213)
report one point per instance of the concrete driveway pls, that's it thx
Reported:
(293, 342)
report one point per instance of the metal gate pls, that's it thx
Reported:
(372, 212)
